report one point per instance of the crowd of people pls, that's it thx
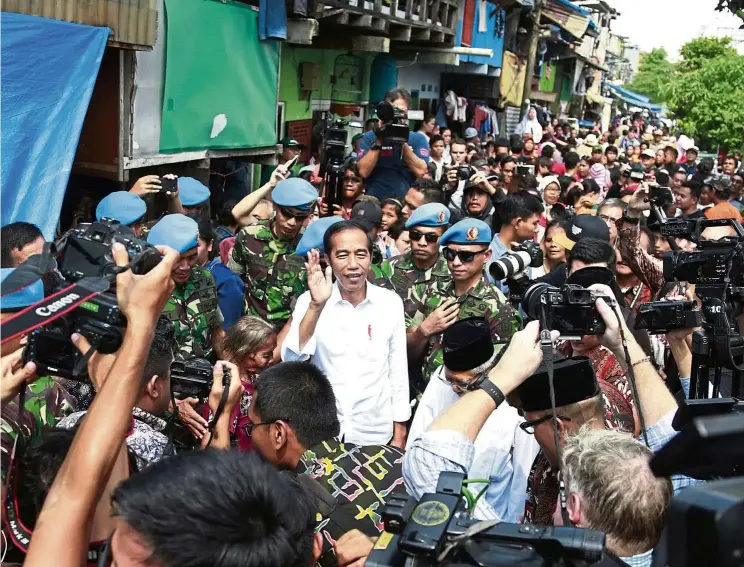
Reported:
(362, 351)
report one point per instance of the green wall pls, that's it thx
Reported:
(289, 78)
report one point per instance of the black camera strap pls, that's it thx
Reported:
(546, 344)
(51, 308)
(226, 379)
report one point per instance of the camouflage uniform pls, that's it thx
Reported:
(193, 309)
(483, 300)
(46, 403)
(274, 276)
(412, 284)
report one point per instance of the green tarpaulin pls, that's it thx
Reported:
(217, 73)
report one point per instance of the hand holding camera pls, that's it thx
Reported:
(639, 202)
(146, 185)
(15, 374)
(235, 387)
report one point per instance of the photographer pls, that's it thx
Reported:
(389, 170)
(519, 217)
(193, 307)
(479, 198)
(453, 182)
(448, 443)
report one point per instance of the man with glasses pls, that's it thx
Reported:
(264, 254)
(415, 275)
(294, 427)
(468, 293)
(611, 211)
(503, 452)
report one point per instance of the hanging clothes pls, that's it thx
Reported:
(457, 107)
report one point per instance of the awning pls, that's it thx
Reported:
(572, 18)
(634, 99)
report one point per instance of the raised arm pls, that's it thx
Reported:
(244, 207)
(64, 525)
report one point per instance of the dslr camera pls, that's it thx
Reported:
(527, 253)
(569, 309)
(660, 317)
(437, 530)
(394, 131)
(84, 253)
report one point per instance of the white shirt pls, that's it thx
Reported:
(362, 350)
(503, 452)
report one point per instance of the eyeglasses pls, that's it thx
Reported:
(465, 256)
(529, 426)
(464, 386)
(608, 219)
(250, 426)
(291, 215)
(415, 235)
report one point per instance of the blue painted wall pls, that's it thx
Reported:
(485, 40)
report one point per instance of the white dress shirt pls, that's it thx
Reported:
(503, 453)
(362, 350)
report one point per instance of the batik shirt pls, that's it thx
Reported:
(274, 276)
(360, 479)
(146, 442)
(193, 309)
(413, 285)
(46, 403)
(482, 300)
(542, 483)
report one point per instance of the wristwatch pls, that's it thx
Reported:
(494, 391)
(377, 147)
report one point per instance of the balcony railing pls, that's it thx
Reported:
(432, 21)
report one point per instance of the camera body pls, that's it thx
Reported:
(394, 131)
(464, 172)
(659, 317)
(168, 185)
(191, 378)
(569, 309)
(86, 251)
(527, 253)
(334, 141)
(418, 532)
(98, 319)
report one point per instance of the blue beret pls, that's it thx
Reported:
(432, 214)
(177, 231)
(23, 297)
(294, 192)
(313, 236)
(192, 192)
(123, 206)
(467, 231)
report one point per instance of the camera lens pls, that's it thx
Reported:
(509, 265)
(533, 298)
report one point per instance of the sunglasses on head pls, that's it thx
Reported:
(465, 256)
(292, 215)
(415, 236)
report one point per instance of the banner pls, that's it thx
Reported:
(48, 72)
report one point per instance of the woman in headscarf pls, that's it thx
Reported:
(530, 125)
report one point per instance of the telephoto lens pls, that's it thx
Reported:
(526, 254)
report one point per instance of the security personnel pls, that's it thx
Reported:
(312, 238)
(125, 207)
(193, 194)
(264, 254)
(468, 294)
(192, 307)
(416, 275)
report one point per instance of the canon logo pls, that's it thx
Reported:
(61, 303)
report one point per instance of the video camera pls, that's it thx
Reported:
(716, 268)
(394, 131)
(86, 307)
(437, 530)
(333, 163)
(191, 378)
(569, 309)
(660, 317)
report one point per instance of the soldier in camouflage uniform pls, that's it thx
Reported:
(469, 294)
(414, 276)
(192, 307)
(264, 257)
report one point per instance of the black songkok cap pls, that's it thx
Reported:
(573, 380)
(467, 344)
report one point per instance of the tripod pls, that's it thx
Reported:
(715, 348)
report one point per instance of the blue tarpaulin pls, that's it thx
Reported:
(635, 99)
(48, 72)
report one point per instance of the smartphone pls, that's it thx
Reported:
(168, 185)
(293, 162)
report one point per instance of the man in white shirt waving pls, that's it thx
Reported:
(355, 332)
